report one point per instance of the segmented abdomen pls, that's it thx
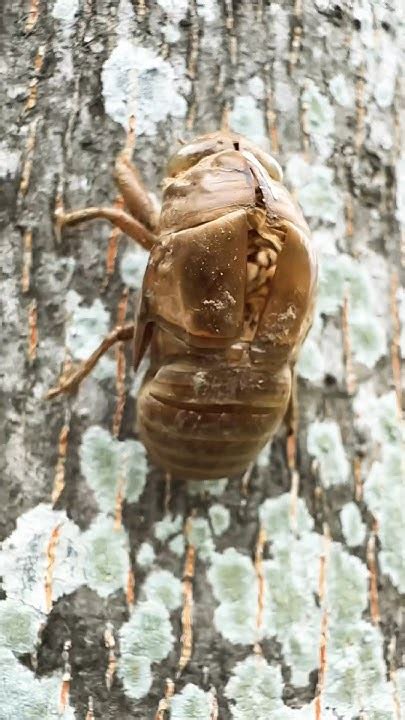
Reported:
(210, 422)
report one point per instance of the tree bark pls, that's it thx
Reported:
(293, 577)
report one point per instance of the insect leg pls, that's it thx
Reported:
(135, 195)
(128, 224)
(71, 383)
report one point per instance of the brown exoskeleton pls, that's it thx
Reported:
(226, 302)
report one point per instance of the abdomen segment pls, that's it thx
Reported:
(208, 423)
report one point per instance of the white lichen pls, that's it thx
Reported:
(144, 639)
(368, 339)
(320, 117)
(378, 415)
(207, 487)
(353, 529)
(346, 586)
(111, 467)
(248, 119)
(401, 313)
(356, 673)
(136, 675)
(237, 623)
(99, 462)
(9, 160)
(400, 684)
(177, 545)
(138, 81)
(385, 72)
(232, 576)
(256, 687)
(390, 532)
(86, 327)
(362, 282)
(317, 193)
(333, 271)
(325, 241)
(220, 518)
(383, 474)
(234, 584)
(381, 134)
(106, 551)
(341, 91)
(359, 286)
(125, 19)
(324, 442)
(175, 11)
(20, 625)
(257, 87)
(145, 555)
(208, 10)
(134, 468)
(26, 697)
(132, 267)
(256, 690)
(191, 703)
(148, 632)
(384, 493)
(199, 535)
(66, 12)
(167, 527)
(292, 574)
(355, 681)
(279, 520)
(343, 273)
(285, 98)
(340, 276)
(263, 458)
(311, 365)
(355, 669)
(163, 586)
(25, 563)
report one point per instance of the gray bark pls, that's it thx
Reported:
(319, 86)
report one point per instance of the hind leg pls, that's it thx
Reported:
(71, 382)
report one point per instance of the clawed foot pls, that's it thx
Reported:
(68, 383)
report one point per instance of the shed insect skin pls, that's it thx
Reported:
(226, 302)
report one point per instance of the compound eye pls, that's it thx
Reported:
(194, 151)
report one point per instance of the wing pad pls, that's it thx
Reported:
(195, 284)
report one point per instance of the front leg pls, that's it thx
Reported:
(133, 191)
(141, 220)
(128, 224)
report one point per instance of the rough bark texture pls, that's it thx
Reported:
(317, 83)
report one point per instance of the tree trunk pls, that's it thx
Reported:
(277, 595)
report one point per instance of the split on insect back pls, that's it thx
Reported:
(226, 303)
